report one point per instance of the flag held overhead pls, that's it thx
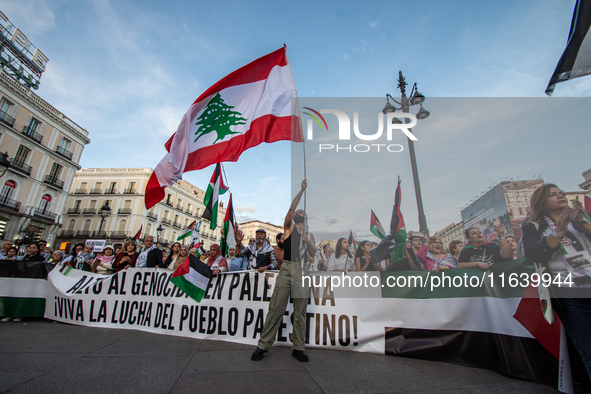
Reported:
(250, 106)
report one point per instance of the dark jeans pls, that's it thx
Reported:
(575, 314)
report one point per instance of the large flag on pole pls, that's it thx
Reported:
(215, 189)
(187, 232)
(376, 227)
(228, 234)
(192, 277)
(576, 58)
(247, 107)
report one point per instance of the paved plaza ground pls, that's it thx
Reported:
(38, 356)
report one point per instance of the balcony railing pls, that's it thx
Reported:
(124, 211)
(111, 191)
(188, 211)
(53, 181)
(151, 215)
(99, 234)
(5, 118)
(63, 152)
(67, 233)
(168, 203)
(80, 191)
(176, 224)
(119, 234)
(8, 203)
(74, 211)
(83, 234)
(96, 191)
(44, 214)
(129, 191)
(20, 165)
(179, 207)
(32, 134)
(89, 211)
(166, 221)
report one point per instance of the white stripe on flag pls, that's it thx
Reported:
(197, 279)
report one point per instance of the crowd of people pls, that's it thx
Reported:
(557, 238)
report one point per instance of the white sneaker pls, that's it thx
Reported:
(7, 319)
(17, 319)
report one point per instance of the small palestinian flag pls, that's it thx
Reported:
(351, 240)
(215, 189)
(228, 232)
(187, 232)
(397, 228)
(192, 277)
(137, 235)
(376, 227)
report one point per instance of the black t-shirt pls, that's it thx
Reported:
(489, 253)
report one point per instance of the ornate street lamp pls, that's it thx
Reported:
(405, 103)
(159, 231)
(104, 211)
(4, 164)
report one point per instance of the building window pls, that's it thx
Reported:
(21, 156)
(7, 191)
(5, 106)
(33, 125)
(55, 172)
(45, 204)
(112, 188)
(65, 143)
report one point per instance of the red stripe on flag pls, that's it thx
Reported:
(154, 193)
(182, 269)
(529, 314)
(254, 71)
(266, 128)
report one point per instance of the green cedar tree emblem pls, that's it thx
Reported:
(218, 116)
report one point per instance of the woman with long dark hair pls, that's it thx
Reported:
(559, 238)
(174, 254)
(363, 260)
(127, 257)
(342, 259)
(73, 253)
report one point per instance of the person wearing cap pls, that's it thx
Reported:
(103, 264)
(260, 255)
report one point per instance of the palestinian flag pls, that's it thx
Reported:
(215, 189)
(139, 233)
(249, 106)
(587, 205)
(376, 227)
(484, 325)
(187, 232)
(196, 235)
(192, 277)
(397, 227)
(351, 240)
(576, 58)
(228, 234)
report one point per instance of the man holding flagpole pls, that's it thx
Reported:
(295, 236)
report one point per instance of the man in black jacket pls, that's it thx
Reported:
(150, 256)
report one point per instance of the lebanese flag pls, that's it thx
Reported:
(376, 227)
(228, 234)
(247, 107)
(192, 277)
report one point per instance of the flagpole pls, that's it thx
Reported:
(300, 118)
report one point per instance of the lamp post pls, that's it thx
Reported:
(405, 103)
(4, 164)
(159, 231)
(104, 211)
